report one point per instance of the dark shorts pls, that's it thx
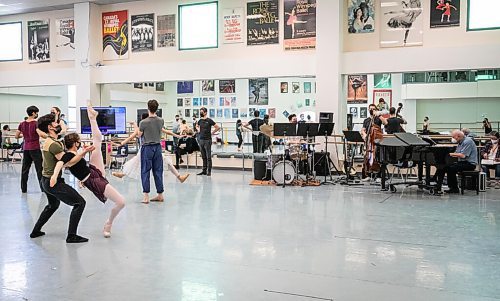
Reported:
(96, 183)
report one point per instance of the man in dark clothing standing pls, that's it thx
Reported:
(257, 137)
(205, 133)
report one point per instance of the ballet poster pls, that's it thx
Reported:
(115, 35)
(166, 31)
(263, 22)
(445, 13)
(227, 86)
(65, 39)
(299, 24)
(357, 90)
(143, 32)
(360, 16)
(38, 41)
(402, 23)
(233, 25)
(258, 91)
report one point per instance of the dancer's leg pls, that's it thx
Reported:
(96, 158)
(112, 194)
(172, 169)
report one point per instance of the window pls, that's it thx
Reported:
(483, 14)
(71, 107)
(198, 26)
(12, 41)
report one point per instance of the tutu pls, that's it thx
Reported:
(132, 168)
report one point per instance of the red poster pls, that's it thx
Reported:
(115, 35)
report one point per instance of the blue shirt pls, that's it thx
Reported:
(468, 148)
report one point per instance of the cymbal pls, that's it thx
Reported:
(304, 142)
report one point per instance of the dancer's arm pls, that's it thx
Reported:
(170, 133)
(57, 170)
(127, 140)
(78, 156)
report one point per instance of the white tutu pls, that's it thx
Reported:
(132, 168)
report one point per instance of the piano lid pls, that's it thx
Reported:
(391, 141)
(411, 139)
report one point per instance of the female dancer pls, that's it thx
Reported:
(132, 168)
(292, 20)
(91, 176)
(56, 111)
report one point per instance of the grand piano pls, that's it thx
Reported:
(404, 148)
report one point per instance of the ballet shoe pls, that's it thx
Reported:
(91, 112)
(107, 230)
(182, 178)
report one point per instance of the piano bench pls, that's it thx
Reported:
(473, 175)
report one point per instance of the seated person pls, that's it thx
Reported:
(186, 145)
(490, 159)
(466, 153)
(468, 133)
(393, 124)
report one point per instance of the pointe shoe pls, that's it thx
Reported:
(118, 174)
(107, 230)
(182, 178)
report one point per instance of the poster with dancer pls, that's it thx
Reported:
(258, 91)
(402, 23)
(363, 112)
(299, 24)
(357, 91)
(444, 13)
(115, 35)
(233, 25)
(208, 87)
(353, 111)
(65, 39)
(38, 41)
(382, 80)
(227, 86)
(384, 94)
(143, 32)
(185, 87)
(263, 22)
(166, 30)
(360, 16)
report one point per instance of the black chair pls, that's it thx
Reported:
(121, 153)
(473, 175)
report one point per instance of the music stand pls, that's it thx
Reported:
(353, 137)
(284, 129)
(326, 129)
(308, 130)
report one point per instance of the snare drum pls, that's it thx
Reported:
(283, 172)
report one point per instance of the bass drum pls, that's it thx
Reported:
(283, 172)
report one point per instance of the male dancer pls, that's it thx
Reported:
(31, 147)
(205, 140)
(52, 151)
(151, 157)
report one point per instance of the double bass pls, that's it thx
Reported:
(374, 132)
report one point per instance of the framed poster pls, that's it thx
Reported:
(386, 96)
(166, 31)
(143, 32)
(160, 86)
(271, 112)
(357, 91)
(444, 13)
(307, 87)
(402, 23)
(354, 112)
(65, 39)
(219, 113)
(263, 22)
(38, 41)
(211, 113)
(234, 113)
(360, 16)
(185, 87)
(258, 91)
(382, 80)
(180, 102)
(284, 87)
(115, 35)
(363, 112)
(295, 87)
(227, 86)
(208, 87)
(299, 21)
(233, 25)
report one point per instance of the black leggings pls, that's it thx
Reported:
(240, 140)
(29, 157)
(65, 193)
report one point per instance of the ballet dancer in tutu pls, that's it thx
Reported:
(91, 176)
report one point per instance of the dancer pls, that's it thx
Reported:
(446, 8)
(57, 112)
(91, 176)
(31, 147)
(52, 151)
(405, 17)
(292, 20)
(205, 133)
(132, 167)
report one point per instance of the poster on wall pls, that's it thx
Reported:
(187, 102)
(211, 113)
(357, 91)
(233, 25)
(115, 35)
(65, 39)
(138, 85)
(143, 32)
(234, 113)
(307, 87)
(243, 113)
(166, 30)
(258, 91)
(354, 112)
(360, 16)
(299, 24)
(185, 87)
(382, 81)
(284, 87)
(295, 87)
(219, 113)
(227, 113)
(271, 112)
(444, 13)
(208, 87)
(363, 112)
(160, 86)
(386, 96)
(402, 23)
(227, 86)
(187, 113)
(38, 41)
(262, 22)
(180, 102)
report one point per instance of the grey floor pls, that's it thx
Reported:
(220, 239)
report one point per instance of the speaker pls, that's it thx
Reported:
(325, 117)
(260, 171)
(321, 163)
(349, 122)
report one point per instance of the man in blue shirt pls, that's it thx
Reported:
(466, 153)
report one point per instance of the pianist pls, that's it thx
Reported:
(490, 159)
(466, 153)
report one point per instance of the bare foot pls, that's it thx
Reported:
(118, 174)
(182, 178)
(145, 200)
(158, 198)
(107, 230)
(91, 112)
